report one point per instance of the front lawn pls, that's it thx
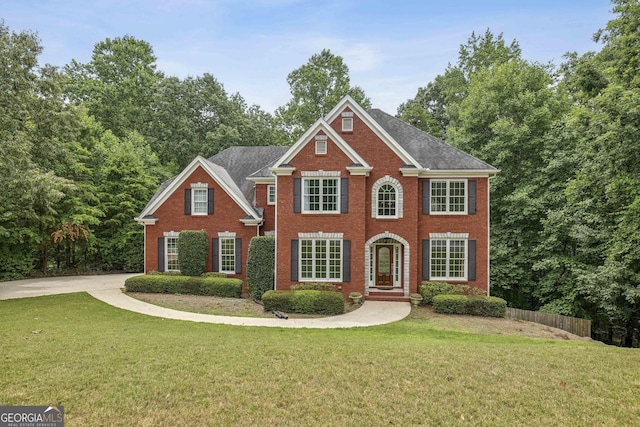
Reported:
(112, 367)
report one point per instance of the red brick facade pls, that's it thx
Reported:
(359, 160)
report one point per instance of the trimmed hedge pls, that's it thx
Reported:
(428, 290)
(261, 262)
(450, 304)
(214, 274)
(161, 284)
(494, 307)
(475, 306)
(314, 286)
(304, 301)
(193, 247)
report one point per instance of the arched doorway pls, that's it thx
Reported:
(387, 264)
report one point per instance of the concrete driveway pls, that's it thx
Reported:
(61, 285)
(106, 288)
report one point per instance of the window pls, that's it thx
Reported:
(347, 121)
(387, 201)
(171, 253)
(347, 124)
(448, 197)
(321, 259)
(321, 195)
(321, 147)
(448, 259)
(271, 194)
(386, 198)
(199, 201)
(228, 255)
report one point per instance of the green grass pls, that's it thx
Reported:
(112, 367)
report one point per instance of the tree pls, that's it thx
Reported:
(316, 87)
(117, 85)
(435, 106)
(37, 159)
(195, 116)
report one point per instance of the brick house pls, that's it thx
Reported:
(362, 199)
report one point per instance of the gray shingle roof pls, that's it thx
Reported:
(233, 166)
(432, 153)
(242, 161)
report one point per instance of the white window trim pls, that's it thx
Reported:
(269, 188)
(169, 235)
(321, 176)
(399, 198)
(226, 236)
(199, 186)
(326, 237)
(448, 237)
(447, 212)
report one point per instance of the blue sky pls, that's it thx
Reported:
(391, 47)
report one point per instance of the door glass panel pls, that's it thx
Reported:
(384, 260)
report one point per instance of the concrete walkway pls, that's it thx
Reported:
(107, 288)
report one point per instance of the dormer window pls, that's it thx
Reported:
(321, 145)
(347, 121)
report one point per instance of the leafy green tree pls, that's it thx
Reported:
(195, 116)
(126, 177)
(316, 87)
(436, 105)
(39, 159)
(117, 85)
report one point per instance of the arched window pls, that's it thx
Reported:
(386, 198)
(387, 201)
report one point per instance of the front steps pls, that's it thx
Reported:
(386, 295)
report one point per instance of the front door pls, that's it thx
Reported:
(384, 266)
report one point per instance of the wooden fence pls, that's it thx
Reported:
(580, 327)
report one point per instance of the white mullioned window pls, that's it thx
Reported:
(199, 199)
(387, 198)
(448, 196)
(271, 194)
(171, 253)
(321, 259)
(448, 259)
(387, 201)
(228, 254)
(321, 195)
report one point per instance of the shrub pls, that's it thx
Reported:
(192, 252)
(214, 274)
(304, 301)
(314, 286)
(494, 307)
(431, 289)
(475, 306)
(261, 265)
(450, 304)
(212, 286)
(277, 300)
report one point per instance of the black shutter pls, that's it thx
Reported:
(426, 196)
(344, 195)
(346, 260)
(187, 201)
(472, 259)
(210, 201)
(297, 195)
(294, 260)
(160, 254)
(426, 255)
(215, 251)
(238, 256)
(472, 196)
